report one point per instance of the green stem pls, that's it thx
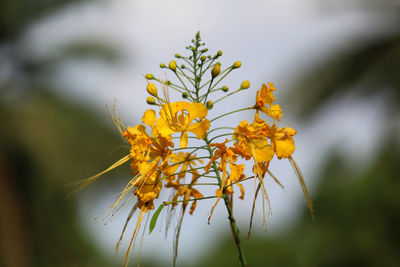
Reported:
(238, 110)
(232, 220)
(192, 199)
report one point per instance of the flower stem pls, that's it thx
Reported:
(235, 232)
(232, 220)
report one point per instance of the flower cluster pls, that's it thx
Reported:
(158, 163)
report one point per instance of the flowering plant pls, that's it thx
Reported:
(158, 163)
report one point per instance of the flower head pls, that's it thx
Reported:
(179, 117)
(264, 100)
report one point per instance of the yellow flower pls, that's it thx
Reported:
(226, 156)
(140, 143)
(235, 176)
(264, 100)
(282, 141)
(186, 162)
(253, 140)
(187, 192)
(179, 116)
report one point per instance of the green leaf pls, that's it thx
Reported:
(155, 217)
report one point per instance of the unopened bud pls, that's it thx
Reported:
(245, 85)
(215, 70)
(182, 66)
(203, 58)
(149, 76)
(236, 65)
(152, 89)
(167, 82)
(177, 56)
(162, 65)
(185, 95)
(209, 104)
(151, 101)
(219, 53)
(172, 65)
(225, 88)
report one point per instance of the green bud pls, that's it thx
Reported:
(219, 53)
(152, 89)
(236, 65)
(177, 56)
(162, 65)
(151, 101)
(203, 58)
(216, 70)
(225, 88)
(172, 65)
(185, 95)
(149, 76)
(204, 50)
(167, 82)
(209, 104)
(182, 66)
(245, 85)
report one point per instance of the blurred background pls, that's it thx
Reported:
(336, 69)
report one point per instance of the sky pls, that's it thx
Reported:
(274, 40)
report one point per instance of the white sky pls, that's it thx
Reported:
(271, 38)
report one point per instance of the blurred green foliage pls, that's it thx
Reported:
(46, 141)
(17, 15)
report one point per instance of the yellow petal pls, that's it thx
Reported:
(200, 128)
(163, 128)
(284, 148)
(197, 110)
(184, 139)
(149, 118)
(275, 112)
(264, 154)
(236, 171)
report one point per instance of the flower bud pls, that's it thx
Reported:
(182, 66)
(236, 65)
(177, 56)
(172, 65)
(167, 82)
(215, 70)
(149, 76)
(185, 95)
(203, 58)
(225, 88)
(209, 104)
(151, 101)
(245, 85)
(152, 89)
(219, 53)
(162, 65)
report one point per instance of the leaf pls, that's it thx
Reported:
(155, 217)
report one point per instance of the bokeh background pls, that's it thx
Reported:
(336, 67)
